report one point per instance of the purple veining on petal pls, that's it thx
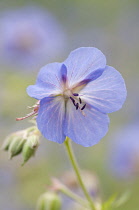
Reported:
(64, 73)
(92, 76)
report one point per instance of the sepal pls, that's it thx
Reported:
(49, 201)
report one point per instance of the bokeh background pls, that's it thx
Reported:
(59, 27)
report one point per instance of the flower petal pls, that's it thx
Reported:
(50, 119)
(48, 82)
(82, 61)
(85, 130)
(107, 93)
(92, 76)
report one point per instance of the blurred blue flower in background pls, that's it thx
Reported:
(76, 95)
(29, 37)
(124, 153)
(91, 182)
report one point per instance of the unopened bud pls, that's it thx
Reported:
(30, 147)
(7, 142)
(49, 201)
(15, 142)
(16, 146)
(33, 141)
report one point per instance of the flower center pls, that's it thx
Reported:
(67, 93)
(75, 99)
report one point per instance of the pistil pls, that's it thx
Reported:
(33, 113)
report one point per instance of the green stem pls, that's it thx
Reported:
(77, 171)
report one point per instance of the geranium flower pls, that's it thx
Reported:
(76, 95)
(124, 153)
(29, 37)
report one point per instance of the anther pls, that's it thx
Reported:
(77, 106)
(80, 100)
(73, 101)
(75, 94)
(83, 107)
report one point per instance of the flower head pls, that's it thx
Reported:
(76, 95)
(29, 37)
(124, 153)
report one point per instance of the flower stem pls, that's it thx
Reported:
(77, 171)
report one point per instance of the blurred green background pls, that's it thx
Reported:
(112, 27)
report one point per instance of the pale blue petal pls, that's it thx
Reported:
(82, 61)
(50, 119)
(48, 82)
(85, 130)
(107, 93)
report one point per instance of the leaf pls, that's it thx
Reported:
(122, 199)
(108, 205)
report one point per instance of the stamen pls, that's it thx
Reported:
(83, 107)
(77, 106)
(73, 101)
(80, 100)
(75, 94)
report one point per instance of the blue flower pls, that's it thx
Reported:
(76, 95)
(29, 37)
(124, 153)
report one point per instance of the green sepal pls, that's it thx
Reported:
(30, 147)
(7, 142)
(49, 201)
(16, 146)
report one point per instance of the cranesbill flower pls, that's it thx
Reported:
(29, 37)
(124, 153)
(76, 95)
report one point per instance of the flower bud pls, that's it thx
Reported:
(16, 146)
(30, 147)
(49, 201)
(7, 142)
(33, 141)
(15, 142)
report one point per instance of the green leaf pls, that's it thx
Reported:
(108, 205)
(122, 199)
(114, 201)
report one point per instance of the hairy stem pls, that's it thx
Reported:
(77, 172)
